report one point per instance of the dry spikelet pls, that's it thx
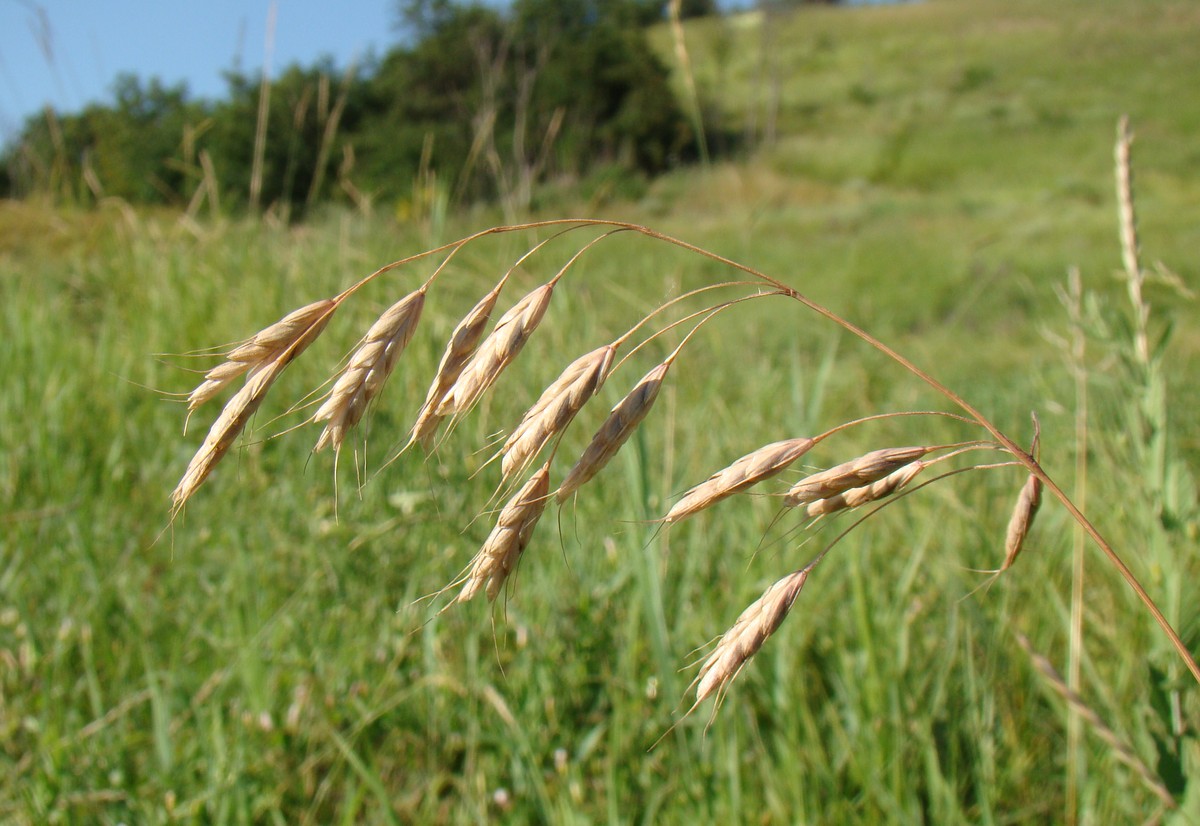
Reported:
(617, 428)
(742, 641)
(459, 350)
(262, 348)
(500, 553)
(368, 369)
(556, 407)
(864, 470)
(497, 351)
(1028, 502)
(746, 471)
(237, 413)
(857, 497)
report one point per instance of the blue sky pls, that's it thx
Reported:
(68, 52)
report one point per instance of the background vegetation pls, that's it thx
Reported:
(932, 171)
(478, 102)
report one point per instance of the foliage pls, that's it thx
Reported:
(488, 102)
(271, 659)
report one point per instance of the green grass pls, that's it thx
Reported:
(269, 658)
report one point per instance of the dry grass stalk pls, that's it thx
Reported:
(262, 348)
(864, 470)
(514, 527)
(745, 472)
(857, 497)
(1121, 749)
(368, 369)
(749, 632)
(237, 413)
(617, 428)
(1028, 502)
(460, 348)
(498, 350)
(556, 407)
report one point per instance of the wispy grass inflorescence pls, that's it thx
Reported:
(556, 407)
(499, 555)
(472, 362)
(864, 470)
(368, 369)
(747, 635)
(744, 473)
(263, 348)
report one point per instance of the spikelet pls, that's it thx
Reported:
(1028, 502)
(502, 550)
(236, 413)
(857, 497)
(460, 348)
(496, 352)
(746, 637)
(556, 407)
(617, 428)
(864, 470)
(746, 471)
(262, 348)
(368, 369)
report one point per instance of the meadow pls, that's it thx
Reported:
(934, 173)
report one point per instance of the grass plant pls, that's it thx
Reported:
(274, 656)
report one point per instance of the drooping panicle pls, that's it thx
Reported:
(868, 468)
(857, 497)
(617, 428)
(462, 345)
(262, 348)
(747, 471)
(556, 407)
(239, 409)
(497, 351)
(498, 556)
(368, 369)
(752, 628)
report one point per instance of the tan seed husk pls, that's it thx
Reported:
(556, 407)
(236, 413)
(462, 345)
(864, 470)
(497, 351)
(495, 561)
(857, 497)
(745, 472)
(746, 637)
(1028, 502)
(368, 369)
(617, 428)
(261, 348)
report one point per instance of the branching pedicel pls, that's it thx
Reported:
(472, 363)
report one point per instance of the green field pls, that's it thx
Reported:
(937, 169)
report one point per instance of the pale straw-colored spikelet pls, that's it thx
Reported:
(368, 369)
(556, 407)
(742, 641)
(857, 497)
(617, 428)
(745, 472)
(237, 412)
(864, 470)
(1028, 502)
(497, 351)
(460, 348)
(498, 556)
(261, 349)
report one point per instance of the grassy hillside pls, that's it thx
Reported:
(937, 169)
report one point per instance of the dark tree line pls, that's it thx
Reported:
(478, 103)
